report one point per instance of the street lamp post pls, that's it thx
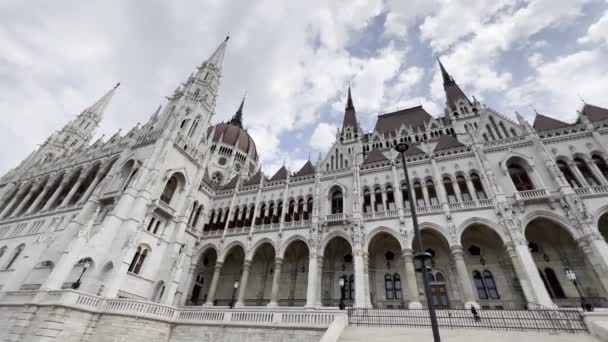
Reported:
(236, 286)
(572, 277)
(341, 282)
(421, 255)
(86, 264)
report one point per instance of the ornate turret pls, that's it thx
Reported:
(350, 126)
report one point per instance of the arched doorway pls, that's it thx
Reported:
(294, 275)
(554, 251)
(337, 262)
(386, 272)
(603, 226)
(202, 277)
(495, 282)
(231, 273)
(259, 283)
(441, 275)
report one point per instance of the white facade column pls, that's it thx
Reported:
(410, 279)
(240, 301)
(368, 301)
(53, 198)
(319, 284)
(597, 253)
(577, 173)
(529, 276)
(25, 199)
(214, 281)
(463, 277)
(425, 195)
(456, 190)
(188, 285)
(359, 278)
(471, 188)
(311, 288)
(73, 190)
(91, 188)
(39, 198)
(276, 277)
(596, 171)
(12, 202)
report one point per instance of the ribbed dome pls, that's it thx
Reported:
(235, 136)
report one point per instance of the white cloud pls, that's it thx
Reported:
(597, 32)
(323, 136)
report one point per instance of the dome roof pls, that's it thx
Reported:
(236, 136)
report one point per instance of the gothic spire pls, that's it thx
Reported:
(97, 109)
(349, 102)
(453, 93)
(217, 58)
(447, 79)
(350, 115)
(237, 119)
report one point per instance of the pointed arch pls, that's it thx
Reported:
(259, 243)
(226, 250)
(291, 240)
(382, 229)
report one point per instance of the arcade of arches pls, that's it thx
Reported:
(483, 270)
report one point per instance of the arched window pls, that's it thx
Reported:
(439, 277)
(337, 201)
(169, 190)
(192, 129)
(263, 218)
(351, 287)
(520, 177)
(419, 195)
(271, 212)
(563, 167)
(504, 130)
(211, 223)
(129, 179)
(490, 132)
(388, 287)
(378, 199)
(2, 251)
(430, 276)
(138, 259)
(430, 188)
(449, 190)
(235, 217)
(397, 286)
(300, 211)
(251, 214)
(513, 133)
(495, 127)
(390, 198)
(405, 193)
(279, 212)
(485, 137)
(477, 186)
(15, 256)
(601, 164)
(243, 218)
(554, 286)
(490, 284)
(309, 207)
(464, 189)
(587, 174)
(482, 293)
(367, 201)
(290, 211)
(193, 213)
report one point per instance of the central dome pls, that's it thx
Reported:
(234, 135)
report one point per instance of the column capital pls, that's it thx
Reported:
(218, 265)
(278, 261)
(407, 253)
(247, 263)
(457, 251)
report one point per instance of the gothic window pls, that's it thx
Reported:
(482, 293)
(337, 201)
(290, 211)
(209, 225)
(430, 188)
(367, 201)
(2, 251)
(464, 189)
(308, 213)
(520, 177)
(477, 186)
(300, 211)
(235, 217)
(439, 277)
(555, 287)
(587, 174)
(262, 217)
(563, 167)
(15, 256)
(388, 287)
(419, 195)
(197, 216)
(485, 137)
(169, 190)
(406, 196)
(192, 129)
(449, 190)
(430, 276)
(397, 286)
(513, 133)
(378, 199)
(279, 212)
(495, 127)
(390, 198)
(504, 130)
(193, 212)
(138, 259)
(243, 218)
(271, 213)
(601, 164)
(490, 132)
(490, 284)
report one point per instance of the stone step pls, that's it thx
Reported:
(392, 334)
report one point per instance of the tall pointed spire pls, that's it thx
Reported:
(447, 79)
(97, 109)
(217, 58)
(237, 119)
(350, 115)
(349, 102)
(453, 93)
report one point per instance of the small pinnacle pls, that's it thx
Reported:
(117, 84)
(227, 37)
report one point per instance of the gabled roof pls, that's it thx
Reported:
(415, 117)
(595, 113)
(281, 174)
(543, 122)
(254, 180)
(374, 156)
(446, 142)
(307, 169)
(231, 184)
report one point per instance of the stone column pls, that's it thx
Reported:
(471, 188)
(578, 174)
(36, 202)
(596, 171)
(463, 277)
(91, 188)
(276, 277)
(319, 284)
(368, 301)
(240, 301)
(410, 278)
(597, 253)
(73, 190)
(359, 278)
(425, 195)
(311, 288)
(24, 201)
(214, 281)
(188, 285)
(529, 277)
(457, 191)
(53, 198)
(11, 202)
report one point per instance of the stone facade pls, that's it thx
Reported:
(177, 211)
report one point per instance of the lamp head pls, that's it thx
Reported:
(341, 281)
(401, 147)
(236, 284)
(87, 264)
(570, 274)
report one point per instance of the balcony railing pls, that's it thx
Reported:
(482, 203)
(592, 190)
(429, 209)
(532, 194)
(379, 215)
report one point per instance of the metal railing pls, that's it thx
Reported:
(549, 320)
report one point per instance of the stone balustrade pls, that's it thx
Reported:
(250, 316)
(592, 190)
(532, 194)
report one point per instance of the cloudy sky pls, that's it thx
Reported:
(295, 60)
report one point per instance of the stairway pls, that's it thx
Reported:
(384, 334)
